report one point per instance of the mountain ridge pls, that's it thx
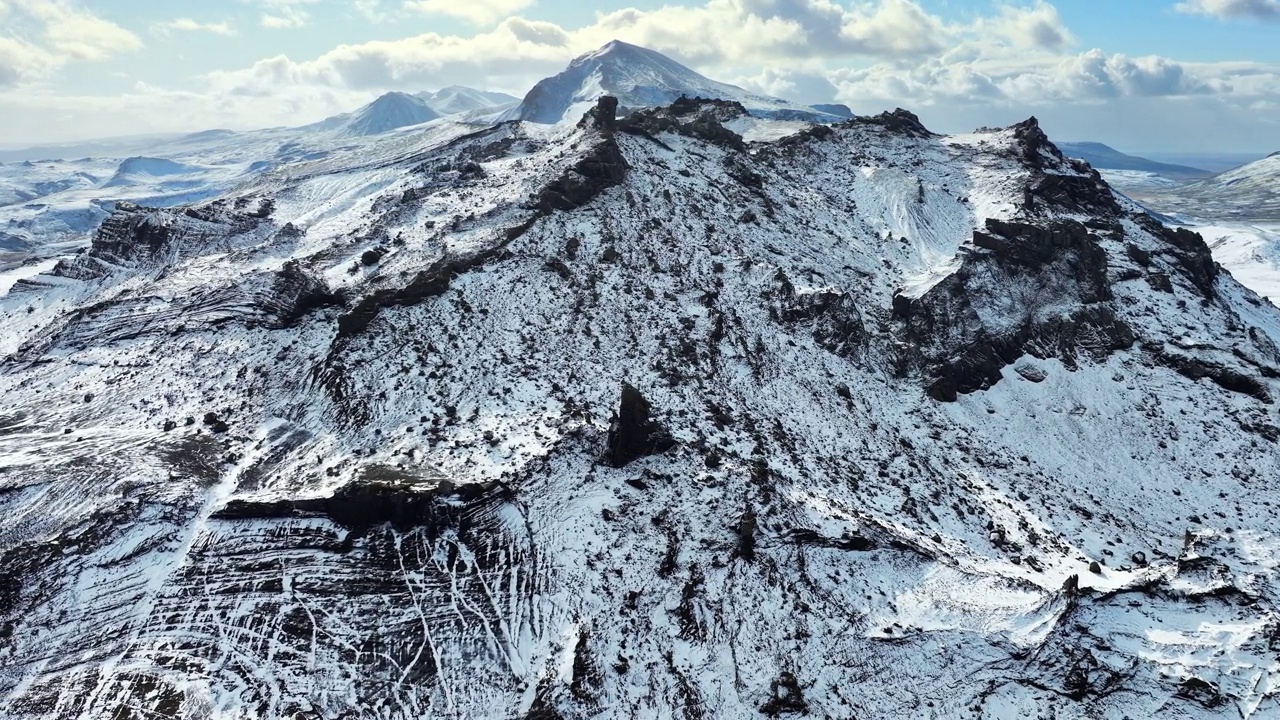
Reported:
(1105, 157)
(564, 421)
(639, 78)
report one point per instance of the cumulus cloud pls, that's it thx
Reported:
(41, 36)
(1036, 27)
(516, 48)
(721, 31)
(477, 12)
(189, 25)
(74, 32)
(1260, 9)
(1019, 54)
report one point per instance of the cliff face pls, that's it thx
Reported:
(641, 417)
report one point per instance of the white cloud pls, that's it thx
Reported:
(1036, 27)
(372, 11)
(189, 25)
(41, 36)
(511, 55)
(477, 12)
(285, 14)
(1261, 9)
(77, 33)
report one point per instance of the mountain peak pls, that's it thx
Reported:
(615, 48)
(390, 111)
(640, 77)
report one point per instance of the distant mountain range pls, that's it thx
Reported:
(396, 110)
(1104, 157)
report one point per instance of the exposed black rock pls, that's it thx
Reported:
(603, 168)
(432, 505)
(1037, 150)
(899, 121)
(1230, 378)
(604, 116)
(1190, 253)
(785, 697)
(852, 541)
(1014, 264)
(215, 423)
(634, 434)
(834, 316)
(697, 118)
(296, 293)
(747, 535)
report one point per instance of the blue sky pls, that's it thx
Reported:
(1174, 75)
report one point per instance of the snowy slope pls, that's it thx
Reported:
(457, 99)
(389, 112)
(639, 419)
(640, 78)
(1249, 192)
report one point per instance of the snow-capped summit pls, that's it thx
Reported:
(389, 112)
(640, 77)
(458, 99)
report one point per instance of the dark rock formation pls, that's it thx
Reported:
(697, 118)
(747, 535)
(1190, 253)
(1014, 264)
(431, 504)
(603, 168)
(634, 434)
(604, 116)
(899, 121)
(834, 316)
(1232, 379)
(785, 697)
(296, 293)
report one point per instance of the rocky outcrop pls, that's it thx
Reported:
(604, 167)
(294, 294)
(699, 118)
(134, 236)
(1190, 254)
(634, 434)
(899, 121)
(401, 502)
(1050, 281)
(834, 317)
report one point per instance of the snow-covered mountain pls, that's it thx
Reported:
(640, 78)
(456, 99)
(1104, 157)
(47, 206)
(641, 419)
(388, 112)
(1250, 192)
